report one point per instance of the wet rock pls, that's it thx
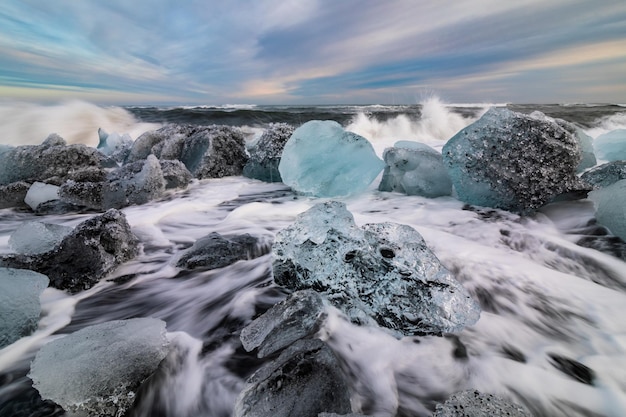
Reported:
(380, 274)
(86, 255)
(175, 173)
(512, 161)
(477, 404)
(216, 251)
(303, 381)
(606, 174)
(13, 195)
(265, 155)
(295, 318)
(609, 203)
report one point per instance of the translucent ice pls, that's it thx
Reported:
(414, 168)
(115, 146)
(605, 174)
(477, 404)
(610, 202)
(512, 161)
(37, 237)
(377, 274)
(97, 370)
(303, 381)
(39, 193)
(19, 303)
(324, 160)
(266, 153)
(611, 146)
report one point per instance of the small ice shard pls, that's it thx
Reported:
(39, 193)
(32, 238)
(610, 202)
(605, 174)
(414, 168)
(303, 381)
(295, 318)
(19, 303)
(477, 404)
(216, 251)
(97, 370)
(115, 146)
(84, 256)
(512, 161)
(611, 146)
(376, 274)
(323, 160)
(266, 153)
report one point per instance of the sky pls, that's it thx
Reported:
(313, 51)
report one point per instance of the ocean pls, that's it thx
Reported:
(551, 336)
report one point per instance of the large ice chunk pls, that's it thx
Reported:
(19, 303)
(323, 160)
(303, 381)
(605, 174)
(477, 404)
(96, 371)
(512, 161)
(115, 146)
(610, 202)
(415, 168)
(266, 153)
(377, 274)
(611, 146)
(35, 237)
(39, 193)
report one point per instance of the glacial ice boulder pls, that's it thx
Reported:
(380, 273)
(40, 193)
(605, 174)
(611, 146)
(473, 403)
(117, 147)
(87, 254)
(96, 371)
(303, 381)
(512, 161)
(20, 308)
(34, 237)
(136, 183)
(266, 153)
(216, 251)
(323, 160)
(610, 202)
(207, 151)
(414, 168)
(295, 318)
(53, 160)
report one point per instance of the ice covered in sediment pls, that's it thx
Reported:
(266, 153)
(19, 303)
(97, 370)
(611, 146)
(303, 381)
(512, 161)
(40, 192)
(295, 318)
(473, 403)
(35, 237)
(610, 202)
(605, 174)
(323, 160)
(115, 146)
(207, 151)
(13, 195)
(216, 251)
(175, 173)
(415, 168)
(379, 274)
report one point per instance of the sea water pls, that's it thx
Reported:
(551, 336)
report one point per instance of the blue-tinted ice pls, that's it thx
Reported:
(35, 237)
(115, 146)
(323, 160)
(380, 273)
(611, 146)
(610, 202)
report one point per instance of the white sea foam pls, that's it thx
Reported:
(75, 121)
(607, 124)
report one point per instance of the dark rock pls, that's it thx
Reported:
(606, 174)
(477, 404)
(265, 155)
(304, 381)
(295, 318)
(175, 173)
(86, 255)
(12, 195)
(512, 161)
(573, 368)
(215, 251)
